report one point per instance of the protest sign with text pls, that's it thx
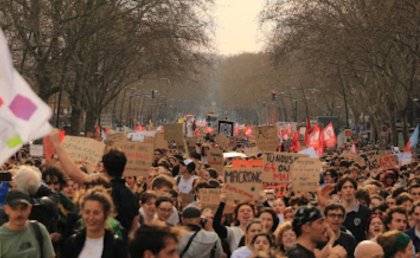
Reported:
(277, 166)
(210, 198)
(84, 149)
(139, 157)
(243, 184)
(305, 173)
(215, 159)
(387, 161)
(174, 133)
(266, 138)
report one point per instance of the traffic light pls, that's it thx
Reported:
(273, 95)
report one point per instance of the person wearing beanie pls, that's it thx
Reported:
(396, 244)
(311, 230)
(185, 180)
(198, 243)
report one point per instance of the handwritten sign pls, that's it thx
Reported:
(305, 174)
(160, 142)
(277, 166)
(353, 157)
(243, 184)
(215, 159)
(223, 141)
(116, 137)
(240, 163)
(174, 132)
(210, 198)
(139, 157)
(84, 149)
(266, 138)
(280, 189)
(387, 161)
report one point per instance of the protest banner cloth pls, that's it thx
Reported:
(174, 133)
(139, 157)
(387, 161)
(305, 173)
(243, 184)
(266, 138)
(215, 159)
(84, 149)
(210, 198)
(23, 115)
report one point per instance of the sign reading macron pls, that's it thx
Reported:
(243, 183)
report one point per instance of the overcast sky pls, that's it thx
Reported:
(237, 26)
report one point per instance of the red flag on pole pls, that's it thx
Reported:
(307, 131)
(328, 136)
(296, 143)
(313, 137)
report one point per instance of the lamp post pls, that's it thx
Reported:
(414, 123)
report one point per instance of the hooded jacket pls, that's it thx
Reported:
(202, 244)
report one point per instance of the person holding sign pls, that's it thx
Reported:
(243, 214)
(127, 206)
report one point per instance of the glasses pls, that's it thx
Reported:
(336, 216)
(165, 210)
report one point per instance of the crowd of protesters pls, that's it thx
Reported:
(66, 208)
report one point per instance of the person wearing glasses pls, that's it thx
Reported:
(334, 216)
(164, 209)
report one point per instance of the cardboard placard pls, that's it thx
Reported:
(387, 161)
(160, 142)
(139, 157)
(84, 149)
(353, 157)
(277, 166)
(243, 184)
(223, 141)
(215, 159)
(266, 138)
(174, 133)
(240, 163)
(305, 173)
(36, 150)
(280, 189)
(116, 137)
(251, 151)
(210, 198)
(186, 199)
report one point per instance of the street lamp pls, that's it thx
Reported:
(415, 100)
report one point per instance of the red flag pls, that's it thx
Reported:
(313, 137)
(289, 129)
(48, 147)
(328, 136)
(296, 143)
(307, 131)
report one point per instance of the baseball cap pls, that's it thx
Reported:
(15, 197)
(191, 212)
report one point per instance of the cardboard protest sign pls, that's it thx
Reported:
(36, 150)
(251, 151)
(186, 199)
(84, 149)
(210, 198)
(353, 157)
(223, 141)
(277, 166)
(387, 161)
(116, 137)
(280, 189)
(174, 133)
(305, 173)
(243, 184)
(215, 159)
(404, 158)
(139, 157)
(266, 138)
(160, 142)
(240, 163)
(225, 127)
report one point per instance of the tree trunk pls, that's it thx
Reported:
(75, 121)
(91, 119)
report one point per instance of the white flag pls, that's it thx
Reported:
(23, 115)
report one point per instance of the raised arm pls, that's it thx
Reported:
(69, 166)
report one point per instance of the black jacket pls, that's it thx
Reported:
(113, 247)
(126, 203)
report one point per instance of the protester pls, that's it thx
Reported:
(376, 226)
(20, 237)
(253, 228)
(198, 243)
(368, 249)
(285, 237)
(396, 244)
(414, 231)
(95, 240)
